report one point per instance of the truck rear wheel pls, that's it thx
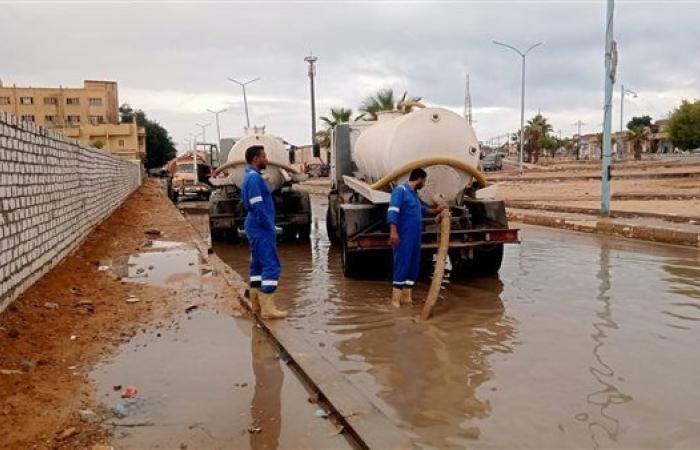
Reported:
(332, 232)
(351, 261)
(487, 259)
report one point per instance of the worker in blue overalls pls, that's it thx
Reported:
(260, 228)
(405, 216)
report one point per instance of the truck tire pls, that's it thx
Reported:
(487, 259)
(305, 231)
(351, 261)
(332, 232)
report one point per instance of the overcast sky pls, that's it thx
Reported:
(171, 59)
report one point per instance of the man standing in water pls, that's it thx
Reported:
(260, 228)
(405, 216)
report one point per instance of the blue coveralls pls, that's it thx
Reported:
(260, 228)
(406, 211)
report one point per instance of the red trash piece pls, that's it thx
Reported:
(130, 391)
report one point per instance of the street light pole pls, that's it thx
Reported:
(243, 84)
(218, 133)
(194, 157)
(623, 91)
(203, 126)
(522, 95)
(311, 59)
(610, 69)
(578, 150)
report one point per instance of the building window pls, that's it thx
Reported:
(50, 101)
(50, 120)
(73, 119)
(26, 100)
(95, 101)
(28, 118)
(121, 142)
(96, 120)
(73, 101)
(4, 100)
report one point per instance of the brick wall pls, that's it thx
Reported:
(53, 191)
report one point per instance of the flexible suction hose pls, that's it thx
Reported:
(439, 265)
(241, 162)
(432, 161)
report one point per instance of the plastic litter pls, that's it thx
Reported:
(254, 430)
(129, 392)
(103, 268)
(133, 300)
(51, 305)
(120, 410)
(321, 413)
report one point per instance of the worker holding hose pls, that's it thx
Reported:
(405, 215)
(260, 228)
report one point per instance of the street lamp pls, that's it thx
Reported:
(311, 59)
(522, 91)
(623, 91)
(194, 157)
(243, 84)
(203, 126)
(218, 133)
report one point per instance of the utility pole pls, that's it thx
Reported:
(194, 157)
(522, 95)
(218, 133)
(610, 69)
(467, 103)
(203, 126)
(243, 84)
(623, 91)
(311, 59)
(578, 151)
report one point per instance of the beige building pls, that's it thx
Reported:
(89, 114)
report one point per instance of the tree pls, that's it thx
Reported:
(639, 121)
(159, 146)
(98, 144)
(126, 113)
(338, 115)
(536, 129)
(384, 100)
(550, 143)
(684, 125)
(638, 136)
(323, 138)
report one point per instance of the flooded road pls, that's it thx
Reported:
(583, 342)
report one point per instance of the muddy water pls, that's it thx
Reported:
(209, 381)
(583, 342)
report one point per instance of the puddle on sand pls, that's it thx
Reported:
(203, 383)
(166, 262)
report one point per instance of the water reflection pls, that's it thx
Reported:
(265, 408)
(602, 423)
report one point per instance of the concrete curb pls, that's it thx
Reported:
(362, 420)
(608, 227)
(517, 204)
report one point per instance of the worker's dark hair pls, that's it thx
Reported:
(416, 174)
(252, 152)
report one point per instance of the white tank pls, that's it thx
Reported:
(397, 139)
(274, 149)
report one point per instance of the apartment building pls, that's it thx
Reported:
(89, 114)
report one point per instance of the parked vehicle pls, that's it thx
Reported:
(188, 178)
(491, 162)
(368, 158)
(293, 208)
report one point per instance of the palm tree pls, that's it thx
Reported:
(638, 136)
(536, 129)
(384, 100)
(323, 138)
(338, 115)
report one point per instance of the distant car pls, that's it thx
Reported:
(492, 162)
(316, 170)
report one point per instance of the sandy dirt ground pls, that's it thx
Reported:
(673, 196)
(78, 314)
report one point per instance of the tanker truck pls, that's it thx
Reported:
(369, 158)
(293, 208)
(188, 177)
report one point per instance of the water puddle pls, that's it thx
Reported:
(207, 380)
(166, 262)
